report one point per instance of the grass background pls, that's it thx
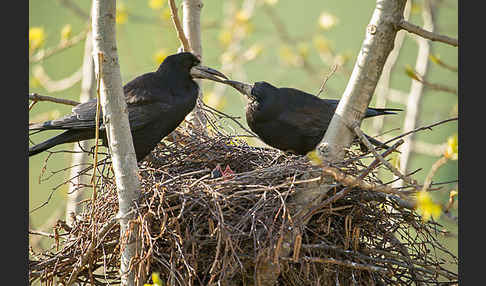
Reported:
(145, 33)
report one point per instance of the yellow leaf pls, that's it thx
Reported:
(253, 52)
(34, 82)
(156, 4)
(451, 151)
(453, 193)
(327, 20)
(411, 73)
(121, 13)
(435, 59)
(243, 16)
(426, 207)
(314, 158)
(225, 37)
(156, 279)
(166, 14)
(288, 56)
(160, 55)
(303, 49)
(321, 44)
(37, 37)
(245, 28)
(66, 32)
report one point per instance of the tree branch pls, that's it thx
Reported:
(178, 27)
(411, 28)
(38, 97)
(43, 54)
(55, 85)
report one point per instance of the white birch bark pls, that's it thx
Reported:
(377, 45)
(416, 90)
(79, 160)
(191, 23)
(115, 118)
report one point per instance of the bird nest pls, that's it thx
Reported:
(198, 227)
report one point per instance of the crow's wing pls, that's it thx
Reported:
(307, 113)
(144, 105)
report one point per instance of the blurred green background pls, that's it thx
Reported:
(280, 42)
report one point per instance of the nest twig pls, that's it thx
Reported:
(198, 229)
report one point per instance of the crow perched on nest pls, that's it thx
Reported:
(289, 119)
(157, 103)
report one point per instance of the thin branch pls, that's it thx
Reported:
(433, 170)
(178, 26)
(87, 254)
(56, 85)
(345, 263)
(436, 60)
(411, 28)
(370, 147)
(429, 127)
(331, 72)
(45, 53)
(75, 8)
(37, 97)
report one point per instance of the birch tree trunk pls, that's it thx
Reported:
(191, 22)
(79, 159)
(377, 45)
(115, 118)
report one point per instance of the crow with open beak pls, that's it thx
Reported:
(157, 103)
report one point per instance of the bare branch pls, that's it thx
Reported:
(56, 85)
(428, 180)
(43, 54)
(428, 127)
(75, 8)
(37, 97)
(331, 72)
(405, 25)
(370, 147)
(178, 26)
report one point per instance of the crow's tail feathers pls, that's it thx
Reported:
(66, 137)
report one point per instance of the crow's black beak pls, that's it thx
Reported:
(243, 88)
(207, 73)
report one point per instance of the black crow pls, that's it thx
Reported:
(157, 103)
(289, 119)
